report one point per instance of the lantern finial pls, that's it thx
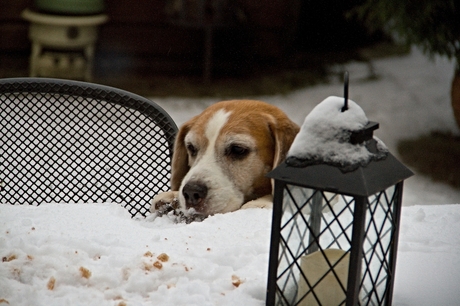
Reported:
(345, 90)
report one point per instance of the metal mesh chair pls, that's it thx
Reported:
(76, 142)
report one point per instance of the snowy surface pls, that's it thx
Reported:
(94, 254)
(325, 135)
(97, 255)
(221, 261)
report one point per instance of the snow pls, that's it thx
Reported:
(95, 254)
(220, 261)
(325, 134)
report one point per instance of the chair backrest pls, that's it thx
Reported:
(76, 142)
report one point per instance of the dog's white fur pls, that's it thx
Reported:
(221, 157)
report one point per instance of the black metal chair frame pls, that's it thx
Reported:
(77, 142)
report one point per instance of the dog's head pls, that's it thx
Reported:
(221, 156)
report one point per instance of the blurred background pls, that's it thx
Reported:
(205, 47)
(235, 48)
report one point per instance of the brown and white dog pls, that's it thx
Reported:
(221, 157)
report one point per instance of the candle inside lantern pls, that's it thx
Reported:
(327, 282)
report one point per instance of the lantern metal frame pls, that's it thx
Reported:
(365, 191)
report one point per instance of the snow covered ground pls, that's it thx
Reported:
(94, 254)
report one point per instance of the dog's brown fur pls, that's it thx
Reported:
(203, 155)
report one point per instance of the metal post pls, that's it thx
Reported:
(394, 242)
(274, 242)
(356, 251)
(315, 222)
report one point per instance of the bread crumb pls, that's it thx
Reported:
(148, 254)
(85, 272)
(4, 301)
(236, 281)
(9, 258)
(51, 283)
(158, 265)
(163, 257)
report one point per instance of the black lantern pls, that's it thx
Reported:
(335, 226)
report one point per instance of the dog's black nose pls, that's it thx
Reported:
(194, 194)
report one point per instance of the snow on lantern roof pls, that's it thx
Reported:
(332, 135)
(335, 150)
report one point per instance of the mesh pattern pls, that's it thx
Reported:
(314, 221)
(75, 142)
(379, 238)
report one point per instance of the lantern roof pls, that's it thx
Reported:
(374, 177)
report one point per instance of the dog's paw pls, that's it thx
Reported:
(165, 202)
(263, 202)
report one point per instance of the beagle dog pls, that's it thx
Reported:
(221, 158)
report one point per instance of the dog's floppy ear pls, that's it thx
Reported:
(284, 132)
(180, 165)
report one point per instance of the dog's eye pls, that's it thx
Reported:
(237, 151)
(192, 150)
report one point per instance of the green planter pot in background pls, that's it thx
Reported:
(70, 7)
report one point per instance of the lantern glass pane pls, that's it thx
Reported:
(316, 230)
(377, 247)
